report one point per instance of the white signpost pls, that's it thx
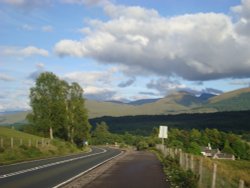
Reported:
(163, 133)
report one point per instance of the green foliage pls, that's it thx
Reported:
(176, 175)
(59, 107)
(227, 148)
(194, 148)
(101, 135)
(241, 149)
(141, 145)
(237, 122)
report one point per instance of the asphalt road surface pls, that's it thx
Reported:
(52, 172)
(137, 170)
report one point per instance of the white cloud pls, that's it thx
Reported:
(24, 52)
(99, 94)
(18, 100)
(47, 28)
(202, 46)
(5, 77)
(90, 78)
(28, 27)
(165, 85)
(85, 2)
(243, 25)
(27, 3)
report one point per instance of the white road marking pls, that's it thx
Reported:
(50, 164)
(2, 166)
(82, 173)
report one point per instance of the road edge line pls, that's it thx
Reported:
(86, 171)
(36, 160)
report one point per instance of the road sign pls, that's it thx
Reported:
(163, 132)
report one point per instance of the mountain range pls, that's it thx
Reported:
(177, 103)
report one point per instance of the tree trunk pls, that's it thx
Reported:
(72, 135)
(51, 133)
(69, 135)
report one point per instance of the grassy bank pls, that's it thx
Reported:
(175, 174)
(28, 147)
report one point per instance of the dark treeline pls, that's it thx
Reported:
(238, 122)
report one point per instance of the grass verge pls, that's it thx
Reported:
(24, 151)
(175, 174)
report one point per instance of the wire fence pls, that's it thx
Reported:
(210, 174)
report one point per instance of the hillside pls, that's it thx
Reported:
(27, 146)
(177, 103)
(231, 101)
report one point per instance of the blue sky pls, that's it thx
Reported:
(124, 50)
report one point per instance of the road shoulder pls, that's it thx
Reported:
(132, 169)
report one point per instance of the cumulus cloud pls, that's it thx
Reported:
(165, 85)
(90, 78)
(243, 11)
(5, 77)
(99, 94)
(202, 46)
(127, 83)
(23, 52)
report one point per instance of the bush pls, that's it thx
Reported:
(142, 145)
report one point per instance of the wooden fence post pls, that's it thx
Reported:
(186, 161)
(180, 153)
(29, 142)
(200, 172)
(192, 163)
(241, 184)
(11, 142)
(214, 175)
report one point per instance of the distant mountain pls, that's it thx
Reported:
(11, 118)
(143, 101)
(206, 96)
(10, 112)
(176, 103)
(117, 102)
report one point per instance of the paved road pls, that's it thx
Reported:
(137, 170)
(51, 172)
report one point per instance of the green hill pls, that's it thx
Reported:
(231, 101)
(177, 103)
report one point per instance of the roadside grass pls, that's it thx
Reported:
(238, 169)
(22, 151)
(174, 173)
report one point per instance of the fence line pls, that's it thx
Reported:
(11, 143)
(207, 171)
